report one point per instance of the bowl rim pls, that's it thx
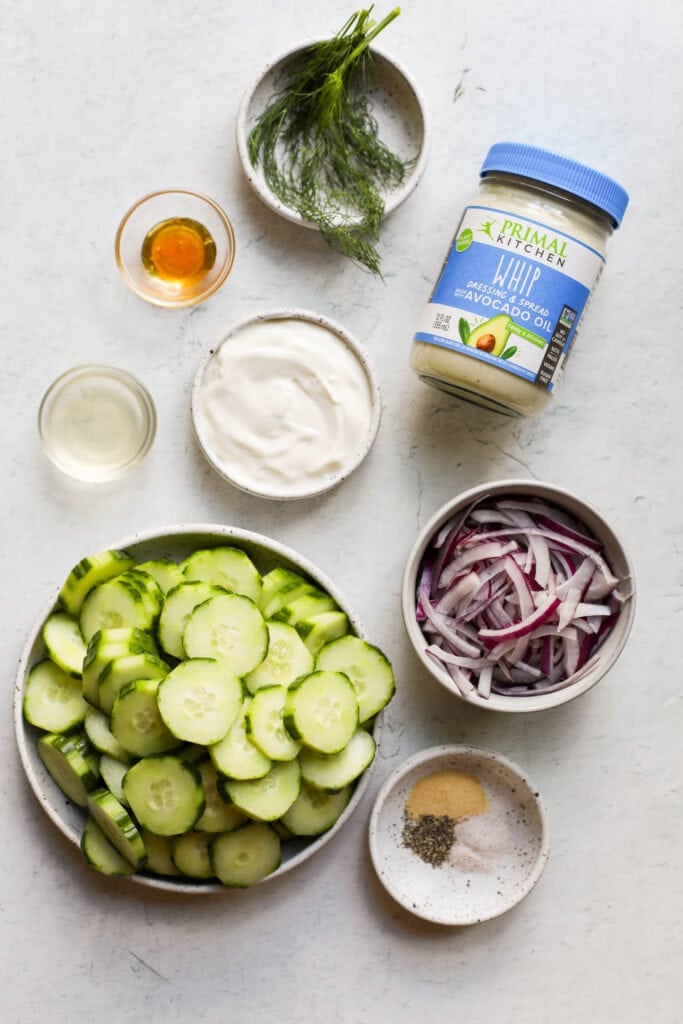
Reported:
(159, 300)
(105, 370)
(437, 754)
(397, 196)
(579, 507)
(176, 532)
(354, 346)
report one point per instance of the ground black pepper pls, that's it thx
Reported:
(430, 837)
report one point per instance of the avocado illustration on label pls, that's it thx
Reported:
(492, 335)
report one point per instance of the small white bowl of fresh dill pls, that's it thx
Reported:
(334, 135)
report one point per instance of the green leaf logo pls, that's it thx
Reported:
(464, 240)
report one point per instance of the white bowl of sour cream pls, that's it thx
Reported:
(287, 405)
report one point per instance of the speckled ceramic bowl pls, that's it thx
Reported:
(176, 542)
(395, 102)
(497, 856)
(264, 477)
(615, 553)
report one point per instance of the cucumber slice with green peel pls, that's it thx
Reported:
(246, 856)
(164, 571)
(265, 726)
(314, 811)
(366, 666)
(180, 602)
(101, 854)
(67, 759)
(268, 798)
(226, 567)
(64, 643)
(199, 700)
(229, 628)
(287, 659)
(112, 771)
(165, 794)
(136, 722)
(122, 635)
(334, 772)
(98, 730)
(281, 586)
(117, 825)
(190, 853)
(159, 854)
(218, 815)
(306, 606)
(322, 711)
(319, 630)
(127, 669)
(89, 573)
(53, 700)
(149, 589)
(113, 604)
(236, 756)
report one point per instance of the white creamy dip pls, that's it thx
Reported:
(285, 407)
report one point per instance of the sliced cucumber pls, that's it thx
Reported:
(124, 670)
(287, 659)
(117, 825)
(53, 701)
(64, 643)
(314, 811)
(367, 668)
(306, 606)
(230, 628)
(199, 700)
(149, 589)
(190, 853)
(268, 798)
(136, 722)
(165, 794)
(114, 604)
(265, 725)
(236, 756)
(333, 772)
(103, 650)
(112, 771)
(218, 815)
(179, 604)
(281, 586)
(322, 711)
(68, 759)
(159, 854)
(246, 856)
(89, 573)
(123, 635)
(164, 571)
(100, 852)
(318, 630)
(98, 730)
(226, 567)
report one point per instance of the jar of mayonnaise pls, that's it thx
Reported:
(525, 256)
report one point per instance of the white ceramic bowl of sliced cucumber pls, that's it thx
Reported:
(221, 828)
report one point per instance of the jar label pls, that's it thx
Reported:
(511, 293)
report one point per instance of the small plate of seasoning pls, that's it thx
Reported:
(458, 835)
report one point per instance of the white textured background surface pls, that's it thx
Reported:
(103, 102)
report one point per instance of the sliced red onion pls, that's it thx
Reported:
(516, 598)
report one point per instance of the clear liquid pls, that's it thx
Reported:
(96, 427)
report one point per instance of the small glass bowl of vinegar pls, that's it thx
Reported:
(175, 247)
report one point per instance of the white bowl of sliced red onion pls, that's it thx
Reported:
(518, 596)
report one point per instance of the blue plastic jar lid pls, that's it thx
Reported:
(553, 169)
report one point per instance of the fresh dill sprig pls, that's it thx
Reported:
(318, 145)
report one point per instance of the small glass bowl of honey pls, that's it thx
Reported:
(175, 247)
